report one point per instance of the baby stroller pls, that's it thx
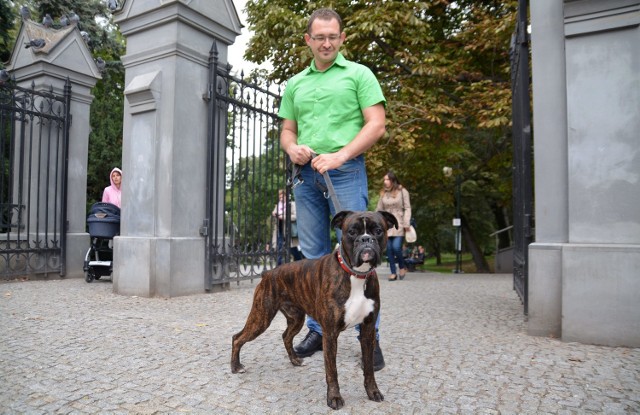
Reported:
(104, 224)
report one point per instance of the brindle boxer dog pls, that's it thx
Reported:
(339, 290)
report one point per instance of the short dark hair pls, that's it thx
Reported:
(324, 14)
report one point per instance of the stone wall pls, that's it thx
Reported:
(583, 277)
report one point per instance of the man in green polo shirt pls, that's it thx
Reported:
(335, 109)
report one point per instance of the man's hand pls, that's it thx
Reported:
(325, 162)
(300, 155)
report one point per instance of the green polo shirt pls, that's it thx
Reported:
(327, 106)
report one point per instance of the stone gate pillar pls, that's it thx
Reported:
(160, 251)
(64, 56)
(584, 282)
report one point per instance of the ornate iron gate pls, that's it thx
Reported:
(246, 168)
(34, 136)
(522, 161)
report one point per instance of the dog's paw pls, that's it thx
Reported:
(237, 368)
(296, 361)
(335, 402)
(375, 395)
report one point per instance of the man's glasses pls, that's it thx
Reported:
(322, 39)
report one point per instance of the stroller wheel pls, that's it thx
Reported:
(90, 275)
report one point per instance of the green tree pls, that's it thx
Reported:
(105, 140)
(444, 67)
(252, 189)
(105, 42)
(7, 19)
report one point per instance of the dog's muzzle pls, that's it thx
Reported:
(367, 251)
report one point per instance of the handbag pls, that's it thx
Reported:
(411, 235)
(294, 229)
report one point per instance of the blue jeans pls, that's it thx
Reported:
(314, 210)
(394, 253)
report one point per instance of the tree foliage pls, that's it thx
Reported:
(444, 67)
(106, 42)
(7, 19)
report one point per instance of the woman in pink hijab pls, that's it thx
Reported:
(112, 193)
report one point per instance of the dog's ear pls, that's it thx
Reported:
(389, 218)
(339, 218)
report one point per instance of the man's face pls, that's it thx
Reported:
(324, 40)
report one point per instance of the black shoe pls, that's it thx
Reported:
(311, 344)
(378, 359)
(402, 273)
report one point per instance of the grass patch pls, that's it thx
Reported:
(448, 264)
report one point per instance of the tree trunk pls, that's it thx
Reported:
(504, 240)
(478, 258)
(436, 253)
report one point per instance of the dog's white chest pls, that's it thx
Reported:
(357, 306)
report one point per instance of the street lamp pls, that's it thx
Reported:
(457, 222)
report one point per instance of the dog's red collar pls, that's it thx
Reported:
(351, 271)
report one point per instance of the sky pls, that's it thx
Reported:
(236, 51)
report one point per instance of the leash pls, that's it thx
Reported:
(332, 192)
(296, 180)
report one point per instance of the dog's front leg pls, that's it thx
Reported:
(367, 344)
(330, 349)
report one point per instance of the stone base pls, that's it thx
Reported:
(158, 267)
(600, 292)
(77, 246)
(545, 290)
(585, 293)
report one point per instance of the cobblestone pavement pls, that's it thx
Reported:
(452, 344)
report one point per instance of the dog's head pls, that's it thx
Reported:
(364, 236)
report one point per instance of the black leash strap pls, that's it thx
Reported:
(332, 192)
(296, 180)
(296, 177)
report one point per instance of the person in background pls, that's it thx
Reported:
(279, 215)
(279, 234)
(295, 243)
(395, 199)
(333, 111)
(112, 193)
(416, 259)
(406, 251)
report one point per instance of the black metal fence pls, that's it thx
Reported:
(244, 149)
(34, 135)
(522, 155)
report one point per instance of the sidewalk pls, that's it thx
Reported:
(453, 344)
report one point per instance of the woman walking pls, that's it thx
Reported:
(395, 199)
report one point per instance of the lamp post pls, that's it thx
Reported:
(457, 221)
